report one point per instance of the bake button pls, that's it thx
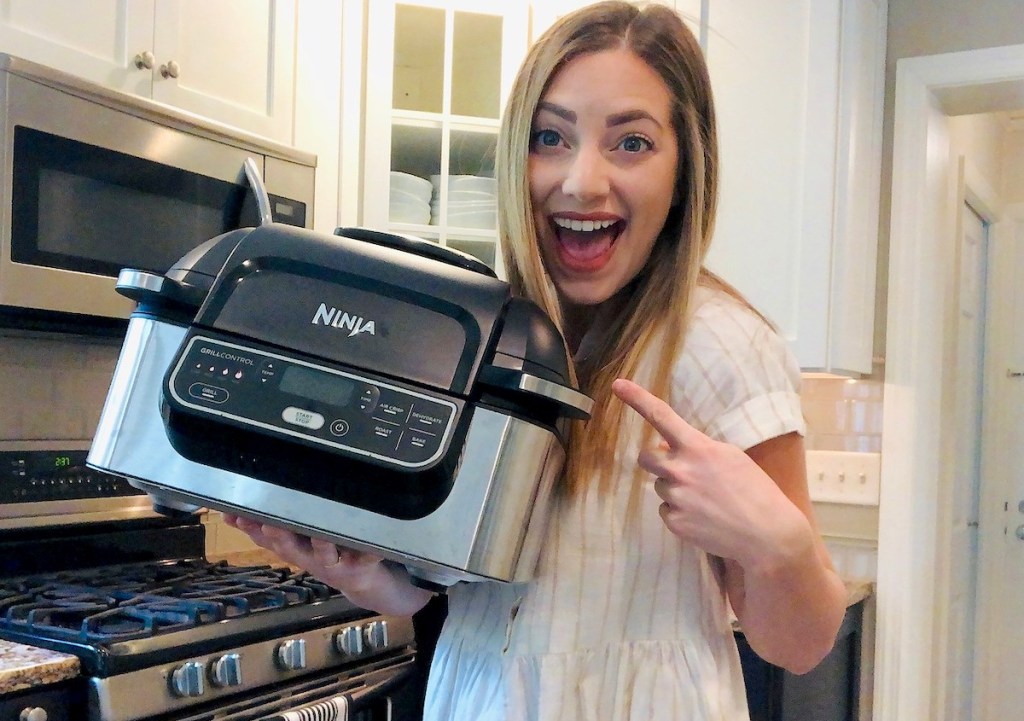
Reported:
(417, 446)
(206, 392)
(339, 427)
(299, 417)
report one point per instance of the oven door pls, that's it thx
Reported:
(382, 691)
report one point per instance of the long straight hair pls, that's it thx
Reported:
(658, 36)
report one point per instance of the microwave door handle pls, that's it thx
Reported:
(259, 190)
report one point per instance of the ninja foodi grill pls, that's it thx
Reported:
(366, 388)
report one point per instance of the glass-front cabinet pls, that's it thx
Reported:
(437, 75)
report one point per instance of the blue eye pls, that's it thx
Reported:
(635, 144)
(547, 137)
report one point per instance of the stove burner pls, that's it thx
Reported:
(120, 603)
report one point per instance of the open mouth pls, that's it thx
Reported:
(586, 244)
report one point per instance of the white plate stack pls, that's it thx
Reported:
(410, 199)
(472, 201)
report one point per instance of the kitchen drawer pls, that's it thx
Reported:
(63, 701)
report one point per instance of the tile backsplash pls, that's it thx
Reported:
(842, 414)
(845, 414)
(56, 385)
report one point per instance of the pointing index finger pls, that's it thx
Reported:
(673, 429)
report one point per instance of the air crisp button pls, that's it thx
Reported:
(299, 417)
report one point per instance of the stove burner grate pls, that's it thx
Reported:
(121, 603)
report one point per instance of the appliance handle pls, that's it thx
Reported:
(259, 190)
(339, 707)
(417, 246)
(573, 403)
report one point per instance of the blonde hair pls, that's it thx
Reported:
(658, 36)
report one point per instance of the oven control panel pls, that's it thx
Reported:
(338, 409)
(31, 475)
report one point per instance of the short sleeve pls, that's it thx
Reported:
(736, 380)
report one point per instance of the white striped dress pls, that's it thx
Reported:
(624, 622)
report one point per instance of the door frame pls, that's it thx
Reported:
(921, 264)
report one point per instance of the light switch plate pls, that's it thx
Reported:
(844, 477)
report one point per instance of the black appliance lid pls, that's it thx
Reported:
(361, 304)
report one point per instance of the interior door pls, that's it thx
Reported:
(964, 501)
(999, 695)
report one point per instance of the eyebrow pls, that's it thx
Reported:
(612, 120)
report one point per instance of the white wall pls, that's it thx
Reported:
(1012, 189)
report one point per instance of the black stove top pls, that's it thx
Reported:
(123, 616)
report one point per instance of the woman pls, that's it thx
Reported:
(608, 177)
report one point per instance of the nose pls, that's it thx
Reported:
(587, 174)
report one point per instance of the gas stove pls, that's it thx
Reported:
(160, 631)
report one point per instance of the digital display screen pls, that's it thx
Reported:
(317, 386)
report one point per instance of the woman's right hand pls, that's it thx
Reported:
(362, 577)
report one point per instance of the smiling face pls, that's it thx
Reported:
(602, 168)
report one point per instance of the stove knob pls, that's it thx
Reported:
(187, 679)
(227, 670)
(377, 635)
(349, 641)
(291, 654)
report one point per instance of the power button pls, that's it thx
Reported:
(339, 427)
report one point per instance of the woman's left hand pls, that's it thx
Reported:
(714, 495)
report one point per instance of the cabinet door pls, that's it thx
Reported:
(438, 73)
(798, 86)
(93, 39)
(230, 60)
(757, 58)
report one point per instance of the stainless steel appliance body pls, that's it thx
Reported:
(330, 456)
(94, 180)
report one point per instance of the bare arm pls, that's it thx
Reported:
(788, 597)
(753, 510)
(364, 579)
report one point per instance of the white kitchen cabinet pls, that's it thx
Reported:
(232, 60)
(798, 89)
(437, 75)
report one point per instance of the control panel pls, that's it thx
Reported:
(331, 407)
(35, 475)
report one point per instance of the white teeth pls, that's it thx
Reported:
(585, 225)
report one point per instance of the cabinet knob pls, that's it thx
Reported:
(170, 69)
(145, 60)
(33, 714)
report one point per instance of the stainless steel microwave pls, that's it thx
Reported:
(94, 180)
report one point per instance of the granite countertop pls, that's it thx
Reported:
(23, 667)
